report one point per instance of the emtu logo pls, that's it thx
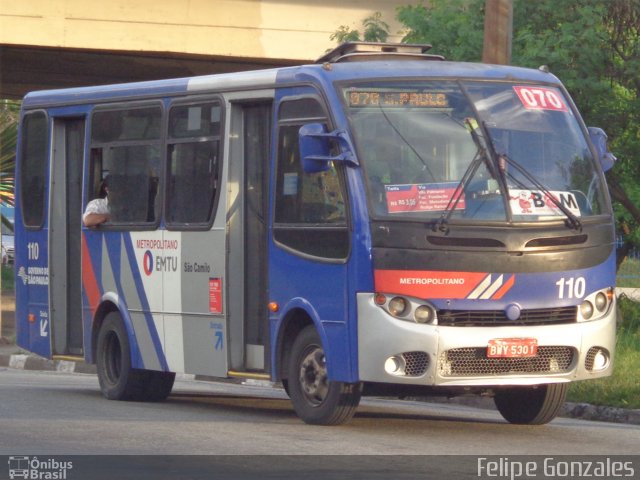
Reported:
(147, 263)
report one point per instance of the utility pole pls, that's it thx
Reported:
(498, 31)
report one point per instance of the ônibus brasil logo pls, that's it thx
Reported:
(34, 468)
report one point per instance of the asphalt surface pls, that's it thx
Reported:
(12, 356)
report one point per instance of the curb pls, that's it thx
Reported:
(31, 362)
(580, 411)
(600, 413)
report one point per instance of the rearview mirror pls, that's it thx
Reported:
(599, 140)
(315, 150)
(314, 143)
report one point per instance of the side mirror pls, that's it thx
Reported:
(315, 150)
(314, 143)
(599, 140)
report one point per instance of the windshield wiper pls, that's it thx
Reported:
(572, 220)
(482, 156)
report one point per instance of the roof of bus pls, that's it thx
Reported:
(271, 78)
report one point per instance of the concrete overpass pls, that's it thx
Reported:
(64, 43)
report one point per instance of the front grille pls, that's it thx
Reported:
(473, 361)
(487, 318)
(416, 363)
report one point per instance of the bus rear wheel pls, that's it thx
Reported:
(316, 399)
(118, 380)
(535, 405)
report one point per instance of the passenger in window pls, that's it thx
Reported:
(97, 211)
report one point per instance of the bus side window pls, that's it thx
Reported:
(193, 164)
(310, 210)
(126, 147)
(306, 198)
(34, 164)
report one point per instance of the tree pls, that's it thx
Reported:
(9, 113)
(453, 27)
(375, 30)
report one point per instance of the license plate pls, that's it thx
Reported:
(512, 348)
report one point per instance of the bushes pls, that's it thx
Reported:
(7, 277)
(622, 388)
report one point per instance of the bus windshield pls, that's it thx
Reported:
(472, 151)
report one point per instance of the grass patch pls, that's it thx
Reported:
(622, 389)
(629, 273)
(7, 277)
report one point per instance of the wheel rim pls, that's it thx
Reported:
(113, 358)
(313, 375)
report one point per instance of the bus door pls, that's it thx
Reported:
(65, 217)
(192, 256)
(249, 161)
(308, 263)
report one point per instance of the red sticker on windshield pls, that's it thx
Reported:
(541, 98)
(423, 197)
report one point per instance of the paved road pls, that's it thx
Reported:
(57, 413)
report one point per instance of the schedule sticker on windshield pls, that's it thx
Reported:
(541, 98)
(424, 197)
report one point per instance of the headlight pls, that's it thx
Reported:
(424, 314)
(409, 309)
(397, 306)
(586, 309)
(601, 302)
(596, 305)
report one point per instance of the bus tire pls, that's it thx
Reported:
(118, 381)
(285, 386)
(531, 405)
(316, 399)
(157, 385)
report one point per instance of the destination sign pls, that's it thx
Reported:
(372, 98)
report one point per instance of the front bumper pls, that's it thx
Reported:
(456, 356)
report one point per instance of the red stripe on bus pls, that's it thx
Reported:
(427, 284)
(89, 282)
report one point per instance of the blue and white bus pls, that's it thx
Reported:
(381, 222)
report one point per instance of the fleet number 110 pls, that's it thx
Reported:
(33, 250)
(571, 287)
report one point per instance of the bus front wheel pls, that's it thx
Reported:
(535, 405)
(118, 380)
(316, 399)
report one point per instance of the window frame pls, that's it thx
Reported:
(45, 169)
(158, 142)
(169, 142)
(341, 175)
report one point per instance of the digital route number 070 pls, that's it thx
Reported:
(571, 287)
